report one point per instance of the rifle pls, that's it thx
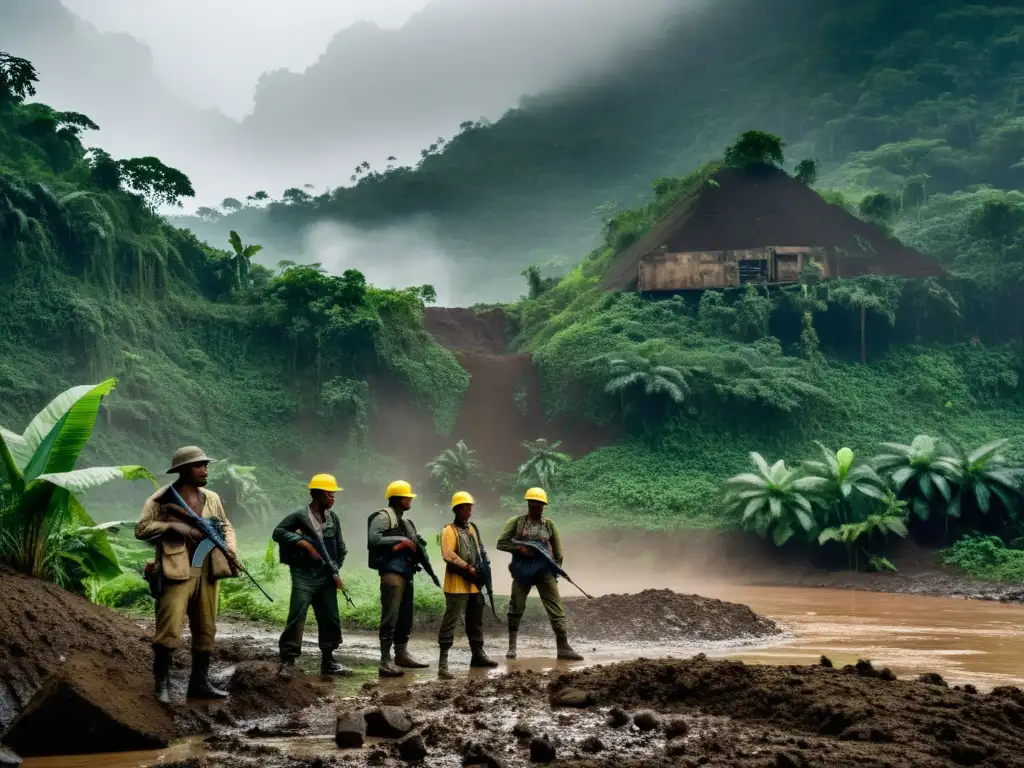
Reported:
(325, 558)
(214, 533)
(420, 558)
(485, 581)
(534, 545)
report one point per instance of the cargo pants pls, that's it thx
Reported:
(317, 590)
(195, 598)
(396, 600)
(547, 588)
(470, 605)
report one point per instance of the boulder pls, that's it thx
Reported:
(617, 717)
(350, 730)
(646, 720)
(387, 722)
(592, 745)
(95, 705)
(475, 753)
(542, 750)
(676, 727)
(411, 748)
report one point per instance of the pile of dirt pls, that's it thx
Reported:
(257, 691)
(655, 615)
(897, 722)
(463, 330)
(95, 706)
(41, 625)
(753, 210)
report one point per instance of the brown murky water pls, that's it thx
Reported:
(966, 641)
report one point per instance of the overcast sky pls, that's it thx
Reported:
(212, 52)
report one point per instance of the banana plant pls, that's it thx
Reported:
(892, 519)
(44, 525)
(845, 481)
(985, 475)
(921, 472)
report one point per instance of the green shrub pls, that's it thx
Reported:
(129, 592)
(986, 557)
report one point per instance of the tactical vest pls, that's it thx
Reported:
(381, 555)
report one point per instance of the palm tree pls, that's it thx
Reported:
(656, 382)
(844, 482)
(543, 466)
(920, 472)
(982, 474)
(39, 509)
(243, 253)
(453, 466)
(775, 500)
(879, 295)
(892, 520)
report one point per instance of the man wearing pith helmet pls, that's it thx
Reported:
(529, 569)
(184, 577)
(393, 543)
(312, 547)
(463, 552)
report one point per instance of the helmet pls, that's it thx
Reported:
(462, 497)
(183, 457)
(536, 494)
(399, 488)
(323, 483)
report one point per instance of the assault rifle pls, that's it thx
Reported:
(325, 558)
(214, 537)
(419, 558)
(537, 547)
(485, 581)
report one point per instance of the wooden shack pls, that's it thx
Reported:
(759, 228)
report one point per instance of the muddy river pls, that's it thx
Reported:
(966, 641)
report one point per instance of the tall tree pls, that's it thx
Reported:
(17, 79)
(243, 254)
(878, 294)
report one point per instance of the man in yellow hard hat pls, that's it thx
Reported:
(312, 547)
(530, 569)
(396, 552)
(463, 552)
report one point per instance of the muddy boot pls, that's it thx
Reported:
(162, 673)
(387, 667)
(199, 686)
(328, 666)
(481, 659)
(403, 659)
(511, 653)
(442, 666)
(287, 669)
(565, 651)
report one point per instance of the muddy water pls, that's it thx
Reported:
(966, 641)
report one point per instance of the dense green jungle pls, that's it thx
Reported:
(832, 418)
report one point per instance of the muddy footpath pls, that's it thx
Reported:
(78, 670)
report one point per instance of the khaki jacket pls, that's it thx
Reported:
(171, 550)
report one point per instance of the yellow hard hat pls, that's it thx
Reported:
(462, 497)
(323, 483)
(536, 494)
(399, 488)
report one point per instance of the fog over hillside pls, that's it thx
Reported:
(257, 94)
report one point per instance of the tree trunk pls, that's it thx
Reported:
(863, 336)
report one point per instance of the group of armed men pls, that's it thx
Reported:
(196, 547)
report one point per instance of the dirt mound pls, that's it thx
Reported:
(906, 723)
(41, 625)
(257, 691)
(655, 615)
(95, 706)
(753, 210)
(463, 330)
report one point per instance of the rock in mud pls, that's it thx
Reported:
(572, 697)
(350, 730)
(522, 730)
(8, 758)
(542, 750)
(647, 720)
(411, 748)
(676, 748)
(387, 722)
(592, 745)
(618, 717)
(95, 705)
(675, 728)
(475, 753)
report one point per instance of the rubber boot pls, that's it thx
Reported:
(162, 673)
(442, 666)
(328, 666)
(403, 659)
(565, 651)
(481, 659)
(199, 686)
(387, 667)
(287, 669)
(511, 653)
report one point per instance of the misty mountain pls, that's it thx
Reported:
(880, 94)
